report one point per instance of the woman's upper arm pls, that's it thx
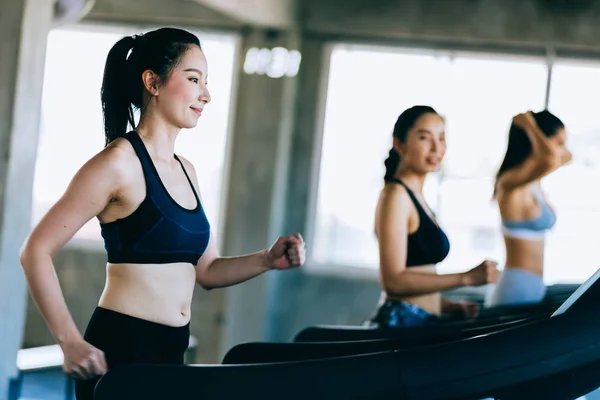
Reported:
(88, 193)
(531, 169)
(210, 254)
(393, 234)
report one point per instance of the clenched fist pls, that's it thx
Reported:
(82, 360)
(484, 273)
(287, 252)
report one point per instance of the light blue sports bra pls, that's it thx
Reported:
(531, 228)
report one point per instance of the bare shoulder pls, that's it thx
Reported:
(394, 197)
(394, 205)
(117, 162)
(120, 155)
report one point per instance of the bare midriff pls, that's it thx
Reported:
(526, 254)
(160, 293)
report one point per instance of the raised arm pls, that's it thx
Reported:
(544, 157)
(392, 233)
(88, 193)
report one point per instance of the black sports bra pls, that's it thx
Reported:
(159, 230)
(428, 244)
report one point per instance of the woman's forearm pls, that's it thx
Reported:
(229, 271)
(409, 283)
(47, 295)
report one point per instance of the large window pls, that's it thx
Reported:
(72, 128)
(477, 94)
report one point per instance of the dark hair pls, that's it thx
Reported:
(122, 86)
(519, 145)
(404, 123)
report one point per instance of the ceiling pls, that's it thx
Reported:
(271, 13)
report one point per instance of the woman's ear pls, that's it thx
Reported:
(150, 82)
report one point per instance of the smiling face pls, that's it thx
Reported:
(425, 145)
(181, 99)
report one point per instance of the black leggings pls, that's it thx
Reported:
(127, 340)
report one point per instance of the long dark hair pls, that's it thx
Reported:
(519, 145)
(122, 86)
(404, 123)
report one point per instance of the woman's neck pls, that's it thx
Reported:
(413, 180)
(158, 137)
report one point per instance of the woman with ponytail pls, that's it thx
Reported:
(411, 242)
(536, 148)
(146, 198)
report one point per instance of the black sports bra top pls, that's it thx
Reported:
(428, 244)
(160, 230)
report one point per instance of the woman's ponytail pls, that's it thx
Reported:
(115, 94)
(391, 165)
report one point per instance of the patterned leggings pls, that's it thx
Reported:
(400, 314)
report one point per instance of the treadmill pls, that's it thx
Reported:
(491, 318)
(551, 358)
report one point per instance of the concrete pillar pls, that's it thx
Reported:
(304, 156)
(256, 191)
(24, 26)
